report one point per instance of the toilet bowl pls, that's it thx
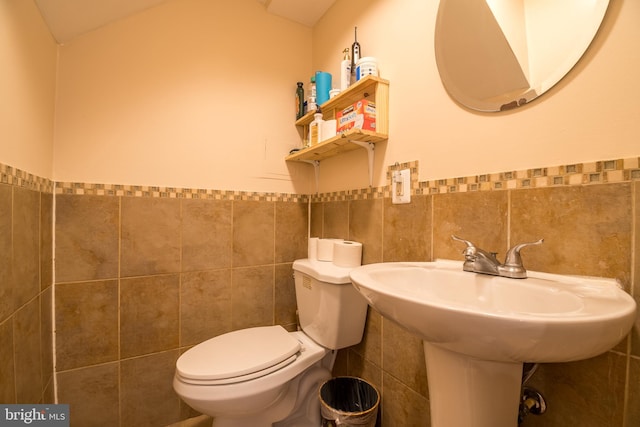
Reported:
(266, 376)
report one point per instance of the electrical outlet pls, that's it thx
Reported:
(401, 186)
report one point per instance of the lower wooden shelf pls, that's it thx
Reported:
(337, 145)
(348, 141)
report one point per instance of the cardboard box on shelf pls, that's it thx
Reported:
(360, 115)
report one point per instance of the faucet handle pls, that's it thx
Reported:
(470, 250)
(469, 253)
(512, 266)
(468, 243)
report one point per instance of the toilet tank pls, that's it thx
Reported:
(330, 309)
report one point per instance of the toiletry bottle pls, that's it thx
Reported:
(315, 128)
(355, 55)
(299, 101)
(311, 104)
(345, 70)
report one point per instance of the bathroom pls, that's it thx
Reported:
(121, 157)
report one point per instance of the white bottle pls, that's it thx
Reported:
(345, 70)
(315, 128)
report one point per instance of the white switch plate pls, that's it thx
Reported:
(401, 186)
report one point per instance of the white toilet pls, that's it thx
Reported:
(267, 376)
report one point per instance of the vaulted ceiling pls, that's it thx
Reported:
(70, 18)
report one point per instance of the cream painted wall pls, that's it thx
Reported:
(192, 93)
(27, 88)
(592, 114)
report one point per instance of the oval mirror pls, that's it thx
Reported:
(494, 55)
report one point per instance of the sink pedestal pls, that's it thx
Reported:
(469, 392)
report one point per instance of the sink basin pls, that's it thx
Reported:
(544, 318)
(478, 330)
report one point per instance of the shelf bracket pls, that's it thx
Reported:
(369, 146)
(316, 168)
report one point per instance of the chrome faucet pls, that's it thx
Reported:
(480, 261)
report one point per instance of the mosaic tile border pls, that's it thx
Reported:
(78, 188)
(19, 178)
(591, 173)
(600, 172)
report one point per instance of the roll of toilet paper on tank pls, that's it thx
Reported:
(325, 249)
(347, 253)
(312, 250)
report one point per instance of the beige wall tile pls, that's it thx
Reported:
(6, 282)
(25, 269)
(150, 236)
(146, 391)
(206, 234)
(588, 393)
(335, 220)
(291, 231)
(285, 297)
(26, 245)
(253, 233)
(7, 368)
(341, 365)
(46, 240)
(317, 218)
(407, 230)
(252, 297)
(587, 230)
(365, 226)
(362, 368)
(46, 335)
(149, 314)
(92, 394)
(370, 348)
(633, 404)
(86, 323)
(480, 217)
(205, 305)
(403, 357)
(402, 406)
(87, 232)
(28, 357)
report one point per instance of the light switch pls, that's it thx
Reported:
(401, 186)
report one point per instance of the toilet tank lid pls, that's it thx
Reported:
(238, 353)
(324, 271)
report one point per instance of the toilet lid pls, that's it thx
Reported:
(239, 354)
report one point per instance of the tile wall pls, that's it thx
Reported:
(26, 221)
(589, 216)
(143, 274)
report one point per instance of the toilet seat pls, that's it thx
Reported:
(238, 356)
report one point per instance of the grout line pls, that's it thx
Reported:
(508, 220)
(119, 286)
(632, 290)
(53, 300)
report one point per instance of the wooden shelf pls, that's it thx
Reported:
(336, 145)
(371, 88)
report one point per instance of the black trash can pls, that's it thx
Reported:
(348, 401)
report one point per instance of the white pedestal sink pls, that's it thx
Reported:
(478, 330)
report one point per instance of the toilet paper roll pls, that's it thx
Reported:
(312, 250)
(347, 253)
(325, 249)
